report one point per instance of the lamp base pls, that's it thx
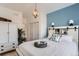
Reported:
(71, 24)
(52, 25)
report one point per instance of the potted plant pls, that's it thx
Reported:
(21, 36)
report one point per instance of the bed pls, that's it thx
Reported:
(65, 47)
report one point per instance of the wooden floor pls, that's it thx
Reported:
(10, 53)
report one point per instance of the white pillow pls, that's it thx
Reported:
(66, 38)
(55, 37)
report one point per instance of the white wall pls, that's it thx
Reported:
(42, 24)
(15, 16)
(25, 26)
(30, 19)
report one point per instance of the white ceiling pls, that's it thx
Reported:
(27, 8)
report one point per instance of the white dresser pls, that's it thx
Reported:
(8, 36)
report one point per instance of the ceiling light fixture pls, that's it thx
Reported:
(35, 11)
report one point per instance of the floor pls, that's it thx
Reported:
(11, 53)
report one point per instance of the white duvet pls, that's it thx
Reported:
(63, 48)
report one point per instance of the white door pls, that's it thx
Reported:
(3, 32)
(13, 33)
(31, 31)
(34, 30)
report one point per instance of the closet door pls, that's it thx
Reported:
(31, 32)
(13, 33)
(3, 32)
(34, 30)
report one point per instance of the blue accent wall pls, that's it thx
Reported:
(62, 16)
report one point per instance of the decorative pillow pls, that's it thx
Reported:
(40, 44)
(55, 37)
(66, 38)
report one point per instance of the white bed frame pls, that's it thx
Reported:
(19, 53)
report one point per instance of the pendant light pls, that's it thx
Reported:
(35, 11)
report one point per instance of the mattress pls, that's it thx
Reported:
(64, 48)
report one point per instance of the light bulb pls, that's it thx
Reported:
(35, 13)
(52, 23)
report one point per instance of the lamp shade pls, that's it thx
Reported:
(71, 22)
(53, 24)
(35, 13)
